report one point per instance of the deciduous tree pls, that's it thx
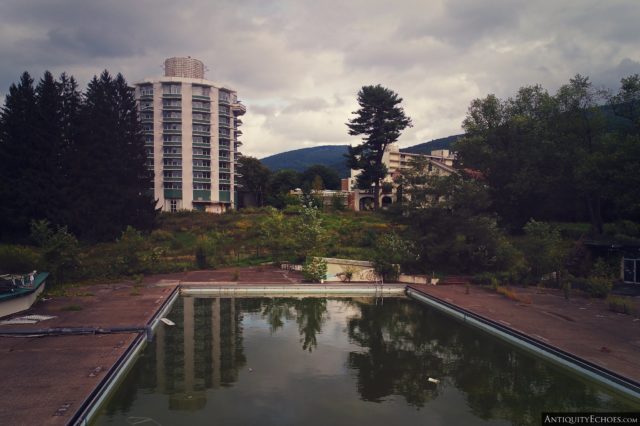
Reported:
(255, 178)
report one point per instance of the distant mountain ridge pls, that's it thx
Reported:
(333, 156)
(433, 145)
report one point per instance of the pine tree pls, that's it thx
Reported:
(16, 160)
(138, 204)
(48, 167)
(111, 181)
(380, 120)
(71, 100)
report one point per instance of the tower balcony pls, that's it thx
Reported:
(238, 108)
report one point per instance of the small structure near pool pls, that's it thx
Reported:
(347, 270)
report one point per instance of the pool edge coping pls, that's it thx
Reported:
(583, 367)
(92, 404)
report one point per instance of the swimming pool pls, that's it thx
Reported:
(317, 360)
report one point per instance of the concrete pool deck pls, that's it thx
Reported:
(47, 379)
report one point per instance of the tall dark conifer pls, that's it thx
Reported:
(380, 120)
(138, 204)
(16, 158)
(70, 123)
(48, 169)
(110, 178)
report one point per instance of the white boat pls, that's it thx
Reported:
(19, 292)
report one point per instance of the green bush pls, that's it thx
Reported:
(624, 228)
(60, 250)
(18, 259)
(314, 269)
(391, 251)
(542, 247)
(387, 270)
(572, 230)
(485, 278)
(598, 286)
(623, 305)
(338, 202)
(130, 246)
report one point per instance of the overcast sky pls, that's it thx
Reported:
(299, 64)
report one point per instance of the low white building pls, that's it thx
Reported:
(439, 162)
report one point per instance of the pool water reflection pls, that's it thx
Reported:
(339, 361)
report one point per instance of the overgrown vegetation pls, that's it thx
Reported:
(544, 165)
(197, 240)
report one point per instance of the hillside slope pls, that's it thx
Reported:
(300, 159)
(427, 147)
(333, 156)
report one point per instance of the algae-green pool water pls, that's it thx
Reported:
(339, 361)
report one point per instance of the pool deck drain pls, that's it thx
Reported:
(47, 379)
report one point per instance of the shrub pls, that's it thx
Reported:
(387, 270)
(623, 305)
(60, 250)
(314, 269)
(623, 231)
(338, 202)
(17, 259)
(131, 245)
(201, 257)
(542, 248)
(485, 278)
(595, 286)
(390, 252)
(598, 286)
(347, 274)
(579, 283)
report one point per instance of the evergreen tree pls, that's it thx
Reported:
(138, 205)
(48, 174)
(110, 180)
(71, 100)
(16, 160)
(380, 120)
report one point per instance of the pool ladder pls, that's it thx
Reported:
(379, 284)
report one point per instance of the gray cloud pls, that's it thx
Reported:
(298, 65)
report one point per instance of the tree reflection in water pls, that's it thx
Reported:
(310, 314)
(392, 350)
(403, 344)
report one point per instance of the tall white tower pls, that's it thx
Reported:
(191, 129)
